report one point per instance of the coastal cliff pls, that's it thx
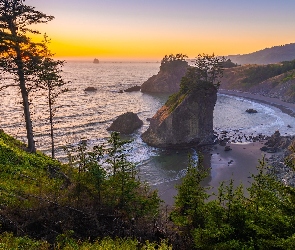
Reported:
(186, 119)
(168, 78)
(272, 80)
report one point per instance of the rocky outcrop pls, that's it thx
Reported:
(133, 88)
(276, 143)
(90, 89)
(126, 123)
(185, 122)
(168, 78)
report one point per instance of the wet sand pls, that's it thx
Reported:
(237, 164)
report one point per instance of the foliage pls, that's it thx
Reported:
(173, 61)
(228, 64)
(207, 70)
(262, 220)
(8, 241)
(19, 54)
(98, 194)
(259, 73)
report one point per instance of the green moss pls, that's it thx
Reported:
(174, 100)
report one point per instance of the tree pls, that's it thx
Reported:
(207, 70)
(172, 60)
(49, 78)
(19, 54)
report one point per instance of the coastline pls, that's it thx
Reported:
(285, 107)
(239, 163)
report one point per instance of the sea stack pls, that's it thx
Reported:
(95, 60)
(186, 119)
(172, 69)
(185, 122)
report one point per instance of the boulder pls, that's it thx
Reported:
(251, 111)
(91, 89)
(168, 78)
(126, 123)
(134, 88)
(186, 122)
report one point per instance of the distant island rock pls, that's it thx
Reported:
(172, 69)
(95, 60)
(90, 89)
(185, 120)
(133, 88)
(126, 123)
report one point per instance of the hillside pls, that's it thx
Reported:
(271, 80)
(268, 55)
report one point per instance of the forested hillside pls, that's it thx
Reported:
(273, 80)
(268, 55)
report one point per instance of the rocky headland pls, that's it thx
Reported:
(168, 78)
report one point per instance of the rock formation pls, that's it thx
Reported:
(168, 78)
(90, 89)
(133, 88)
(126, 123)
(185, 120)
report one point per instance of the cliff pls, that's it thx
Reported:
(268, 80)
(185, 120)
(168, 78)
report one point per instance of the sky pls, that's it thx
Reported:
(146, 30)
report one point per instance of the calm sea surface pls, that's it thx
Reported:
(86, 115)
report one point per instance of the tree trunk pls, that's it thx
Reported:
(51, 122)
(26, 104)
(24, 92)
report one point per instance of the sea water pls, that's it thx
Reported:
(84, 115)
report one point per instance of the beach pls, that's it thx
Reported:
(238, 164)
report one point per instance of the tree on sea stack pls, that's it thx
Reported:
(19, 55)
(186, 119)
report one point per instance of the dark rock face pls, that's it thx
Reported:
(134, 88)
(167, 80)
(276, 143)
(251, 111)
(188, 124)
(126, 123)
(90, 89)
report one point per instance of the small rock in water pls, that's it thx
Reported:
(251, 111)
(227, 148)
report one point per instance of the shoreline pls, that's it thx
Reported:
(285, 107)
(239, 163)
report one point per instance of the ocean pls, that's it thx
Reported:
(84, 115)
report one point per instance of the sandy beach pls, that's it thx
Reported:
(239, 163)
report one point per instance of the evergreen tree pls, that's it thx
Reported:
(19, 55)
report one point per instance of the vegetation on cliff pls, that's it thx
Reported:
(207, 70)
(273, 80)
(97, 194)
(49, 205)
(260, 218)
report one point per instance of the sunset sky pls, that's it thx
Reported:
(148, 29)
